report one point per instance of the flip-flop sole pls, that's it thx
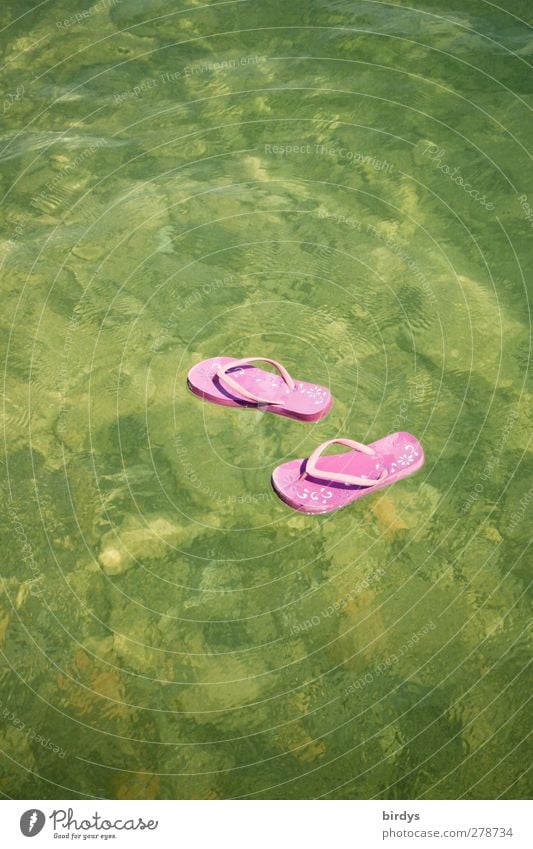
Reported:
(307, 402)
(400, 453)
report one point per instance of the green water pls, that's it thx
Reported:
(345, 187)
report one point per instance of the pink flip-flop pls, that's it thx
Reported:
(322, 484)
(236, 383)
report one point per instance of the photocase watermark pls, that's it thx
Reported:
(16, 234)
(417, 273)
(371, 230)
(50, 197)
(346, 220)
(526, 208)
(12, 97)
(194, 480)
(436, 153)
(518, 515)
(183, 304)
(32, 822)
(391, 659)
(492, 462)
(65, 824)
(341, 153)
(27, 550)
(53, 194)
(224, 65)
(188, 71)
(32, 735)
(83, 14)
(353, 156)
(418, 392)
(62, 377)
(146, 85)
(66, 820)
(340, 604)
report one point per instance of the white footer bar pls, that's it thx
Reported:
(267, 824)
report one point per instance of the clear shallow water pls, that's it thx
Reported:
(180, 182)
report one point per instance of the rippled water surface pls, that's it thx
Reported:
(345, 187)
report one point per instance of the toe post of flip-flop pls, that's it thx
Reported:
(240, 383)
(324, 483)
